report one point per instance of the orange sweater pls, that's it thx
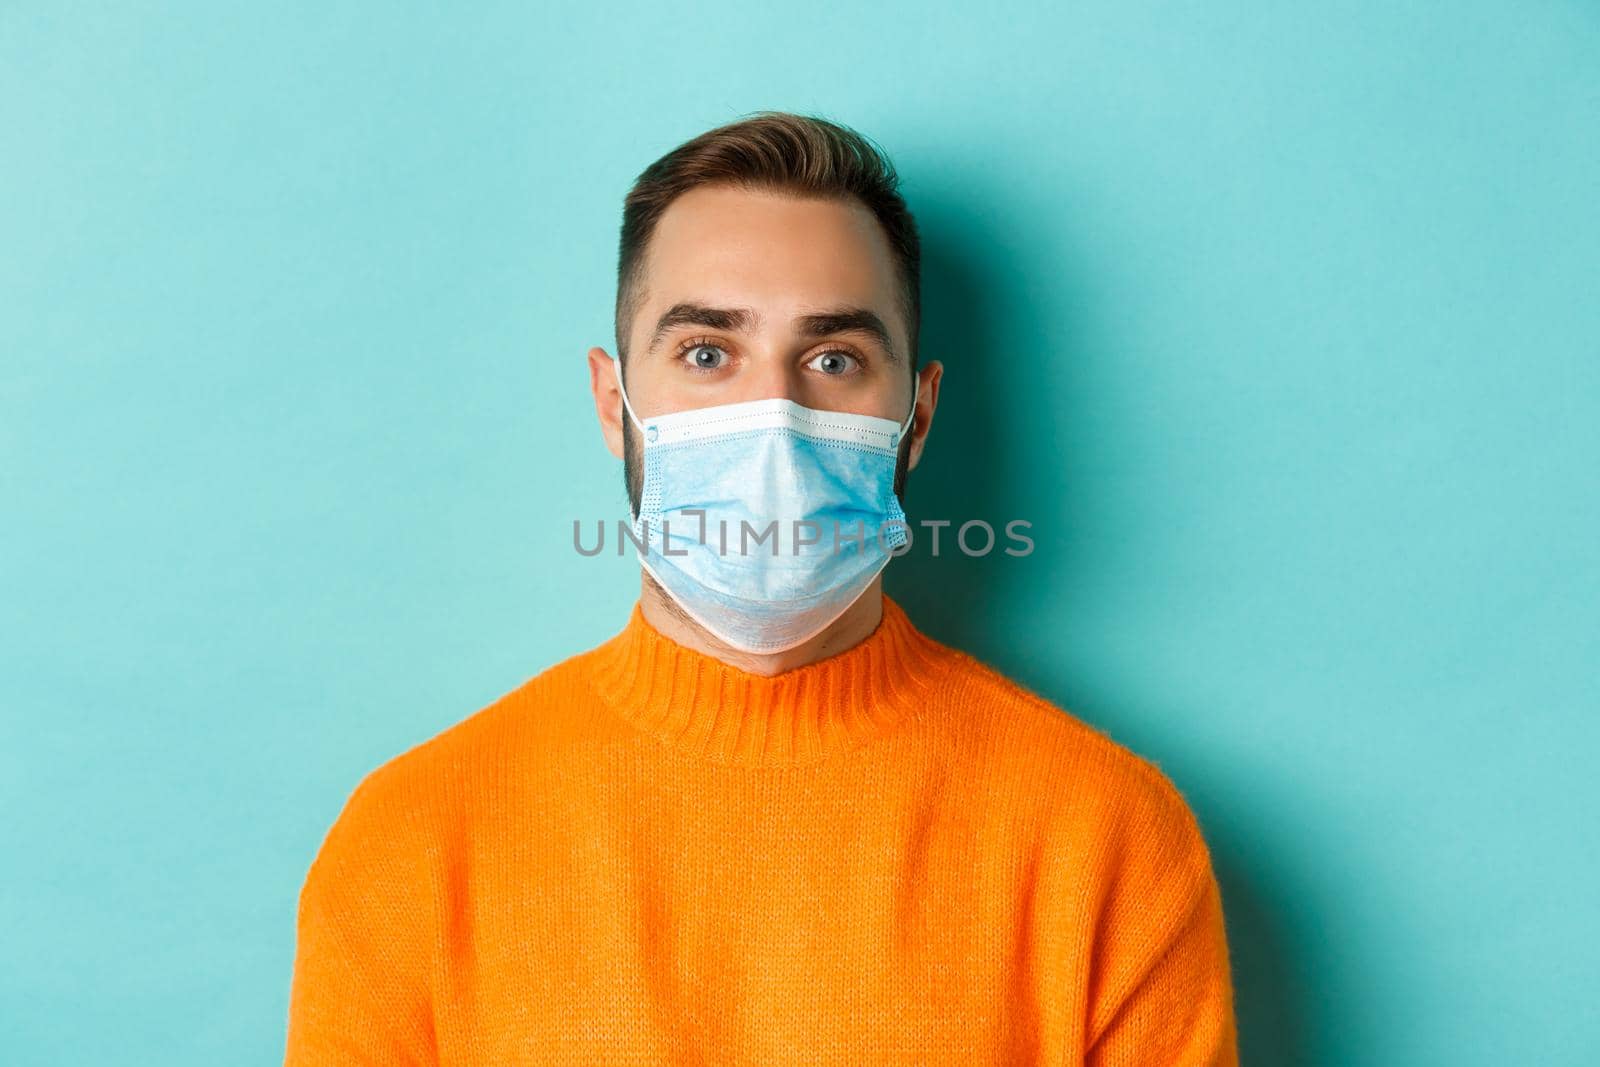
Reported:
(646, 856)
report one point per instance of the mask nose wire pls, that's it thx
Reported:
(905, 427)
(616, 365)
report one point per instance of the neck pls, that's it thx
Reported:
(847, 631)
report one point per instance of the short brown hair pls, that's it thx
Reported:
(776, 150)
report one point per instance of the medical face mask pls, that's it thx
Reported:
(765, 520)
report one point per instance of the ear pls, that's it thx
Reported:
(607, 399)
(927, 400)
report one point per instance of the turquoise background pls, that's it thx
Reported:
(1279, 323)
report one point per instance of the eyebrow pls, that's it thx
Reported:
(816, 324)
(692, 314)
(849, 320)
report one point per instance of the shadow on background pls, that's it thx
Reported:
(969, 470)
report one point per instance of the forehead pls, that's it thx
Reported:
(776, 252)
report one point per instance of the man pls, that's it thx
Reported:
(769, 821)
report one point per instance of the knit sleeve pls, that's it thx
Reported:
(1166, 995)
(359, 989)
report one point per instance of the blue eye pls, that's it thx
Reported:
(834, 363)
(706, 357)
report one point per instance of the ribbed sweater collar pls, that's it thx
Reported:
(709, 709)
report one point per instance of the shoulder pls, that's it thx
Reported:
(1079, 767)
(406, 805)
(538, 710)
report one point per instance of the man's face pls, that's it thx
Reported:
(751, 295)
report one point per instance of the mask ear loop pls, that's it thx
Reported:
(616, 365)
(905, 427)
